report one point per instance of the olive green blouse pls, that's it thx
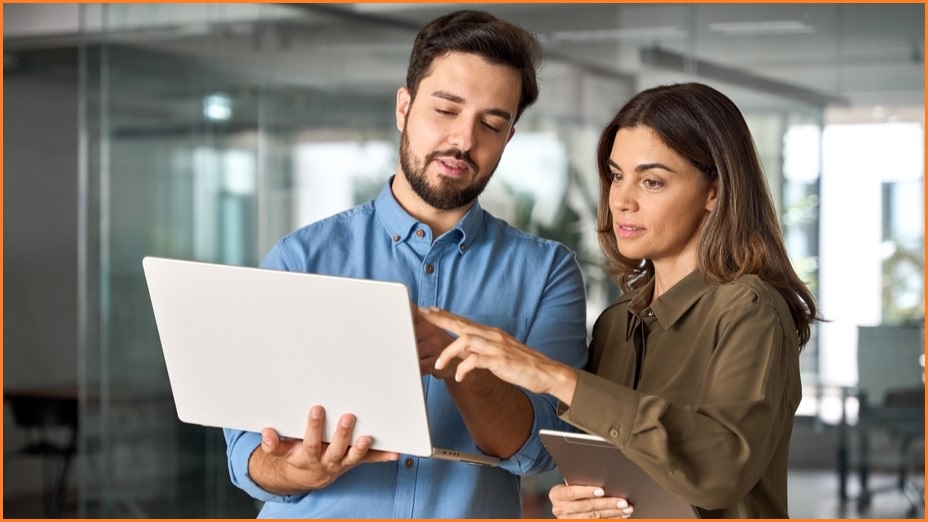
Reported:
(700, 389)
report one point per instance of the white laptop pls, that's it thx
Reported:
(588, 460)
(249, 348)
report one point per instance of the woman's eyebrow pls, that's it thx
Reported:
(643, 167)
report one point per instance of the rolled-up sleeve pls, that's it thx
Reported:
(239, 447)
(558, 331)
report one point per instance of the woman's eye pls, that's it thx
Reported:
(652, 183)
(615, 177)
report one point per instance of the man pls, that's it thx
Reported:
(470, 77)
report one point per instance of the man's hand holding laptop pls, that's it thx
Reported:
(312, 464)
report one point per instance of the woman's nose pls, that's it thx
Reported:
(621, 197)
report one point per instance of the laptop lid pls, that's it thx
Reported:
(588, 460)
(249, 348)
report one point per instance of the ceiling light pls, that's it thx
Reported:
(217, 107)
(644, 33)
(756, 28)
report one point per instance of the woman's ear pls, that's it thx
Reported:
(403, 102)
(712, 196)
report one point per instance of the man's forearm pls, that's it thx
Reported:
(269, 472)
(498, 415)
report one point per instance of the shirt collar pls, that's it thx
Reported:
(400, 225)
(671, 306)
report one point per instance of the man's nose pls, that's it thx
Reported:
(462, 135)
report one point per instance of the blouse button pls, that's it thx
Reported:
(420, 233)
(463, 247)
(429, 269)
(396, 238)
(410, 463)
(614, 433)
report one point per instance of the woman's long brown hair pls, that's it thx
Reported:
(742, 234)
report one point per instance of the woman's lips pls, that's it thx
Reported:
(627, 230)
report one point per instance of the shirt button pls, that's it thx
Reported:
(396, 238)
(614, 433)
(463, 247)
(429, 269)
(410, 463)
(420, 233)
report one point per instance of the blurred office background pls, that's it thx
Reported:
(208, 131)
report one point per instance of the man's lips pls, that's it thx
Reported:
(453, 167)
(452, 162)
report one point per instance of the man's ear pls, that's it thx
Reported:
(403, 102)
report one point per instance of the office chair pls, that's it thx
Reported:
(40, 415)
(891, 397)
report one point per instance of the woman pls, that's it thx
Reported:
(694, 371)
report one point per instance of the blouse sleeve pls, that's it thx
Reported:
(712, 450)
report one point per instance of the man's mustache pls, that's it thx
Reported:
(456, 154)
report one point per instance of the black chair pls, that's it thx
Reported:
(901, 417)
(891, 398)
(42, 416)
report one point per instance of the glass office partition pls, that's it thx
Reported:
(159, 181)
(187, 157)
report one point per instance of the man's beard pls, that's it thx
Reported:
(446, 196)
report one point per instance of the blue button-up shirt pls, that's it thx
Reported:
(483, 269)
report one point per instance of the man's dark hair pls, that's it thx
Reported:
(480, 33)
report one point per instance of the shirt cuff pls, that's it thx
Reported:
(532, 457)
(602, 407)
(240, 446)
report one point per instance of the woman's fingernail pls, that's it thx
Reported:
(621, 504)
(598, 492)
